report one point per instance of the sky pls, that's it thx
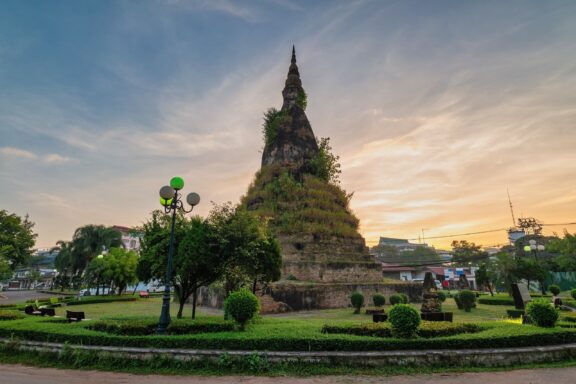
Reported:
(435, 107)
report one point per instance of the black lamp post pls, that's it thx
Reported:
(171, 200)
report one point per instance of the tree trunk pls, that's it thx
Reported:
(490, 289)
(254, 285)
(194, 300)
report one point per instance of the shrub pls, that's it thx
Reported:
(554, 289)
(404, 298)
(395, 299)
(428, 329)
(379, 300)
(441, 296)
(357, 300)
(148, 327)
(467, 299)
(573, 293)
(496, 300)
(10, 315)
(242, 305)
(542, 313)
(404, 320)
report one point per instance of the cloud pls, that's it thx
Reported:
(17, 153)
(54, 158)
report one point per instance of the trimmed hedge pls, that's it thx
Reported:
(496, 335)
(357, 301)
(378, 300)
(428, 329)
(404, 320)
(10, 315)
(100, 300)
(468, 299)
(143, 327)
(542, 313)
(242, 305)
(496, 300)
(395, 299)
(554, 289)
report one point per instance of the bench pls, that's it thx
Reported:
(74, 316)
(30, 310)
(144, 294)
(379, 317)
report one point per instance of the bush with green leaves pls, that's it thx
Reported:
(10, 315)
(542, 313)
(242, 305)
(379, 300)
(554, 289)
(395, 299)
(357, 300)
(467, 299)
(404, 320)
(442, 296)
(404, 298)
(573, 293)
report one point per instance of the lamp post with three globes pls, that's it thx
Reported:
(171, 201)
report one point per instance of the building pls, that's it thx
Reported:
(130, 239)
(401, 244)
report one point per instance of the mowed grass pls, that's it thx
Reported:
(151, 307)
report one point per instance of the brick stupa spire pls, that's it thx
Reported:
(294, 143)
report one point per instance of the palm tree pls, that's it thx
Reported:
(90, 240)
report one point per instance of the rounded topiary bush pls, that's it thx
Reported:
(379, 300)
(242, 305)
(404, 298)
(441, 296)
(573, 293)
(467, 299)
(395, 299)
(554, 289)
(404, 320)
(357, 300)
(542, 313)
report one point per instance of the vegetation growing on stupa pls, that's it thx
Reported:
(304, 200)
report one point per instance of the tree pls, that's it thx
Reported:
(483, 277)
(89, 241)
(120, 268)
(531, 270)
(505, 270)
(325, 165)
(246, 243)
(16, 239)
(464, 252)
(565, 251)
(5, 270)
(198, 262)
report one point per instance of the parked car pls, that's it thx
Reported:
(92, 291)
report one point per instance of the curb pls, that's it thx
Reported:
(493, 357)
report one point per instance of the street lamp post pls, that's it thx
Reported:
(171, 200)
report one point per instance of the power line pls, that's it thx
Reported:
(548, 225)
(465, 234)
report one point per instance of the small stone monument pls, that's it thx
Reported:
(430, 301)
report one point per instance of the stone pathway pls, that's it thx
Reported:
(18, 374)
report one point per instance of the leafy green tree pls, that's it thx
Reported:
(89, 241)
(120, 268)
(464, 252)
(483, 277)
(198, 263)
(17, 239)
(5, 270)
(565, 251)
(325, 165)
(505, 270)
(246, 243)
(531, 270)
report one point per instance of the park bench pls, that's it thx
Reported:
(74, 316)
(144, 294)
(379, 317)
(30, 310)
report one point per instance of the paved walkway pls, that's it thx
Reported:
(18, 374)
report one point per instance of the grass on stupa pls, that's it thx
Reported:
(307, 206)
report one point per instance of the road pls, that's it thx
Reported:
(13, 297)
(18, 374)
